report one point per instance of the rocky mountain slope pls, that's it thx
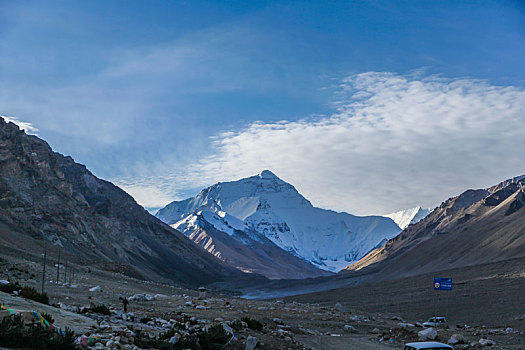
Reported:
(245, 249)
(476, 227)
(266, 209)
(45, 195)
(403, 218)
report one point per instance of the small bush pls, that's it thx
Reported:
(167, 335)
(33, 294)
(48, 317)
(144, 342)
(236, 325)
(14, 334)
(145, 319)
(214, 338)
(188, 342)
(10, 287)
(252, 323)
(101, 309)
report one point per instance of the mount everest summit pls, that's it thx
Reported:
(407, 217)
(263, 211)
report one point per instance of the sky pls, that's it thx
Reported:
(368, 107)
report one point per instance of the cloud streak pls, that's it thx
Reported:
(26, 126)
(396, 141)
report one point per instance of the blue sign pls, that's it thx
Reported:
(442, 283)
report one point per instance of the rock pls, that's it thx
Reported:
(278, 321)
(251, 343)
(227, 328)
(427, 334)
(375, 331)
(486, 342)
(175, 339)
(339, 307)
(350, 329)
(200, 307)
(405, 325)
(4, 282)
(457, 339)
(509, 330)
(95, 289)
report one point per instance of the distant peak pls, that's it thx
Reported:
(267, 174)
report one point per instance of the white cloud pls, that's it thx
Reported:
(395, 142)
(147, 195)
(27, 127)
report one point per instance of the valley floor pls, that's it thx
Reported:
(374, 315)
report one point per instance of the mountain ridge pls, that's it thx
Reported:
(275, 209)
(48, 196)
(406, 217)
(476, 227)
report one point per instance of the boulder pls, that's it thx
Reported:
(339, 307)
(227, 329)
(251, 343)
(350, 329)
(486, 342)
(375, 331)
(427, 334)
(457, 339)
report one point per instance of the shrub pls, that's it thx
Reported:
(33, 294)
(101, 309)
(214, 338)
(145, 319)
(147, 343)
(10, 287)
(188, 342)
(236, 325)
(167, 335)
(48, 317)
(14, 334)
(253, 324)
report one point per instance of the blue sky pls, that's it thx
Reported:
(164, 97)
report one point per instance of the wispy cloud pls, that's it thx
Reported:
(26, 126)
(396, 141)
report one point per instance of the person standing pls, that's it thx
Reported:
(125, 302)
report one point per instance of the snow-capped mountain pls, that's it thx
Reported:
(265, 207)
(407, 217)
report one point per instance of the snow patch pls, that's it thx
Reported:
(265, 205)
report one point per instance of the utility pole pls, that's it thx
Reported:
(44, 267)
(65, 273)
(58, 266)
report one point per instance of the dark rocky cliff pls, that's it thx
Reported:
(46, 195)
